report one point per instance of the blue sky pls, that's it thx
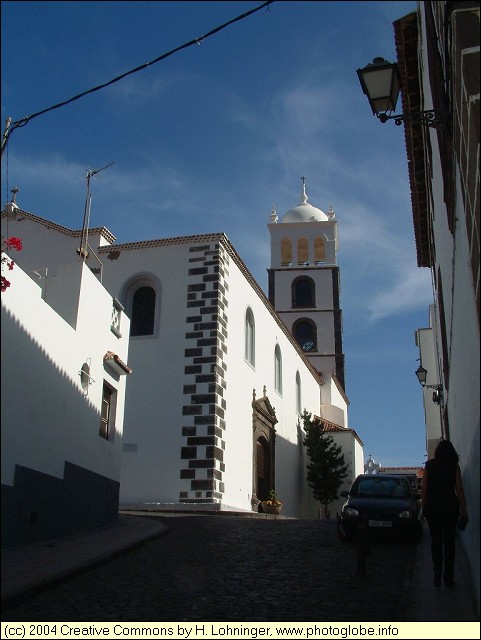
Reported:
(209, 139)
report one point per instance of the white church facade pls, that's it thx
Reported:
(221, 372)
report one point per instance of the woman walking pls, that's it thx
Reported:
(443, 502)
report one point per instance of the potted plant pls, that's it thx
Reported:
(272, 505)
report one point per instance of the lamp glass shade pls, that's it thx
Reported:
(421, 374)
(381, 83)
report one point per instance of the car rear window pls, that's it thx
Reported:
(377, 487)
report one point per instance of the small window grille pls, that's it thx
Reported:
(116, 317)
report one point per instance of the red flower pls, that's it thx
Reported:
(5, 284)
(14, 243)
(9, 243)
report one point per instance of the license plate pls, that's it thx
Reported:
(380, 523)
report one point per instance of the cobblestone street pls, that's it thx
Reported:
(218, 569)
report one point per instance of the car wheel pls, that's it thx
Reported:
(342, 532)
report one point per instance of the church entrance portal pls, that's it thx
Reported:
(264, 435)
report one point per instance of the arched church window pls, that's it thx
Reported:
(278, 369)
(319, 249)
(286, 252)
(250, 338)
(303, 292)
(298, 393)
(143, 312)
(304, 331)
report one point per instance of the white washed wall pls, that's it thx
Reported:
(322, 279)
(151, 464)
(153, 414)
(333, 404)
(47, 419)
(464, 405)
(242, 380)
(153, 418)
(432, 415)
(46, 245)
(462, 322)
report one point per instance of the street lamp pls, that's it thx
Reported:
(438, 388)
(381, 82)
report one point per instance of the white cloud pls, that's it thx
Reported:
(307, 109)
(409, 293)
(51, 170)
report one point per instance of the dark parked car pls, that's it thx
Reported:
(384, 504)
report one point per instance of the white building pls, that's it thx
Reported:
(63, 388)
(304, 288)
(432, 401)
(438, 57)
(212, 415)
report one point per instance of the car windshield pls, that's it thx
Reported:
(381, 488)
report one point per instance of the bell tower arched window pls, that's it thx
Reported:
(319, 249)
(303, 292)
(305, 333)
(302, 251)
(143, 312)
(286, 252)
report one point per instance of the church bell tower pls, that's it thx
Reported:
(304, 283)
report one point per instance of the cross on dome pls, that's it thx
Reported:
(304, 197)
(304, 212)
(14, 192)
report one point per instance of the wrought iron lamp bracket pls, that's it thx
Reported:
(429, 118)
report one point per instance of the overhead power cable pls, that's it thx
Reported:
(11, 126)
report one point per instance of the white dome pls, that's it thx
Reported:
(304, 212)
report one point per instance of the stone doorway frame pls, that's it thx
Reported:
(263, 431)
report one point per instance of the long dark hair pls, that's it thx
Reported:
(446, 453)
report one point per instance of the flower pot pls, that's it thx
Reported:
(273, 509)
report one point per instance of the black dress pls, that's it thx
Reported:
(441, 509)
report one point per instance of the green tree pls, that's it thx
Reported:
(327, 467)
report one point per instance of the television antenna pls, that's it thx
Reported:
(82, 251)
